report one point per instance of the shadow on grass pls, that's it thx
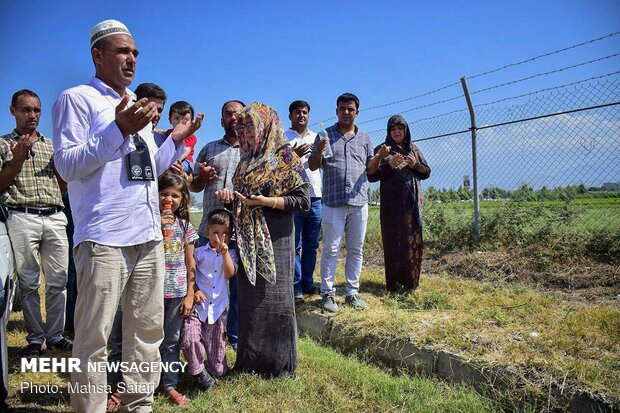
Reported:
(16, 325)
(37, 393)
(15, 359)
(44, 397)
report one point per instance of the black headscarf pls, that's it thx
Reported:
(406, 174)
(405, 149)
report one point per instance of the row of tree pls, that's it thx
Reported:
(524, 192)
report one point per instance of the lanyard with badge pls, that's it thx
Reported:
(139, 166)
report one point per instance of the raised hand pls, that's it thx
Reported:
(177, 168)
(302, 149)
(384, 151)
(186, 127)
(20, 148)
(396, 160)
(206, 174)
(321, 145)
(167, 217)
(225, 196)
(221, 245)
(135, 117)
(411, 160)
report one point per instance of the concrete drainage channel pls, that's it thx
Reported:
(447, 365)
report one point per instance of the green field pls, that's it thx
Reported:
(581, 228)
(586, 228)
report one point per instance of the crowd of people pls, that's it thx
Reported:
(146, 284)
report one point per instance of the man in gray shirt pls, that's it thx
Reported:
(214, 170)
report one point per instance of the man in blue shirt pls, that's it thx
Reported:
(345, 199)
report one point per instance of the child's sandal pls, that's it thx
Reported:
(177, 398)
(114, 403)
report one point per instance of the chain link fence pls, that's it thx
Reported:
(548, 171)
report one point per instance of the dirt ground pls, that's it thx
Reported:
(589, 281)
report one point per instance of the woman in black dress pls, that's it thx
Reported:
(401, 214)
(270, 184)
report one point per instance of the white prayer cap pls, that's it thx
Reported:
(107, 28)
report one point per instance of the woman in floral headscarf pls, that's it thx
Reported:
(270, 184)
(401, 214)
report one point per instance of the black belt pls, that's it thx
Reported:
(36, 211)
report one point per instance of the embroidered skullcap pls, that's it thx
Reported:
(107, 28)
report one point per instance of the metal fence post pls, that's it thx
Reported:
(472, 116)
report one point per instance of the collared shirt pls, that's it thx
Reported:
(90, 150)
(211, 280)
(314, 177)
(224, 157)
(344, 174)
(36, 184)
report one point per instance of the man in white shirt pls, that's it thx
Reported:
(106, 152)
(307, 224)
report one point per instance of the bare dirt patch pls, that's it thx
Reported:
(591, 281)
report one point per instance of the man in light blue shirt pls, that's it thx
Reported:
(345, 199)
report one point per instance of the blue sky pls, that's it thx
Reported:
(207, 52)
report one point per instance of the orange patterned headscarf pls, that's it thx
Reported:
(268, 167)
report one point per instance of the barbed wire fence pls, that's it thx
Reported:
(538, 167)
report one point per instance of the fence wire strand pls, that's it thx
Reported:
(512, 82)
(478, 75)
(548, 171)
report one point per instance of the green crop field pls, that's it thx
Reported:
(586, 228)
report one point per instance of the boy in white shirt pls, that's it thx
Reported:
(204, 332)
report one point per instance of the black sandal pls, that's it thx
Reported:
(63, 344)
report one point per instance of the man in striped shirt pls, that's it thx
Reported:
(30, 189)
(214, 170)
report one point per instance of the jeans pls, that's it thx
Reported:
(169, 348)
(307, 228)
(349, 220)
(232, 323)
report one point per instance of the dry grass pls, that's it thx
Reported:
(580, 279)
(543, 333)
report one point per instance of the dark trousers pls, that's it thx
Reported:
(307, 229)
